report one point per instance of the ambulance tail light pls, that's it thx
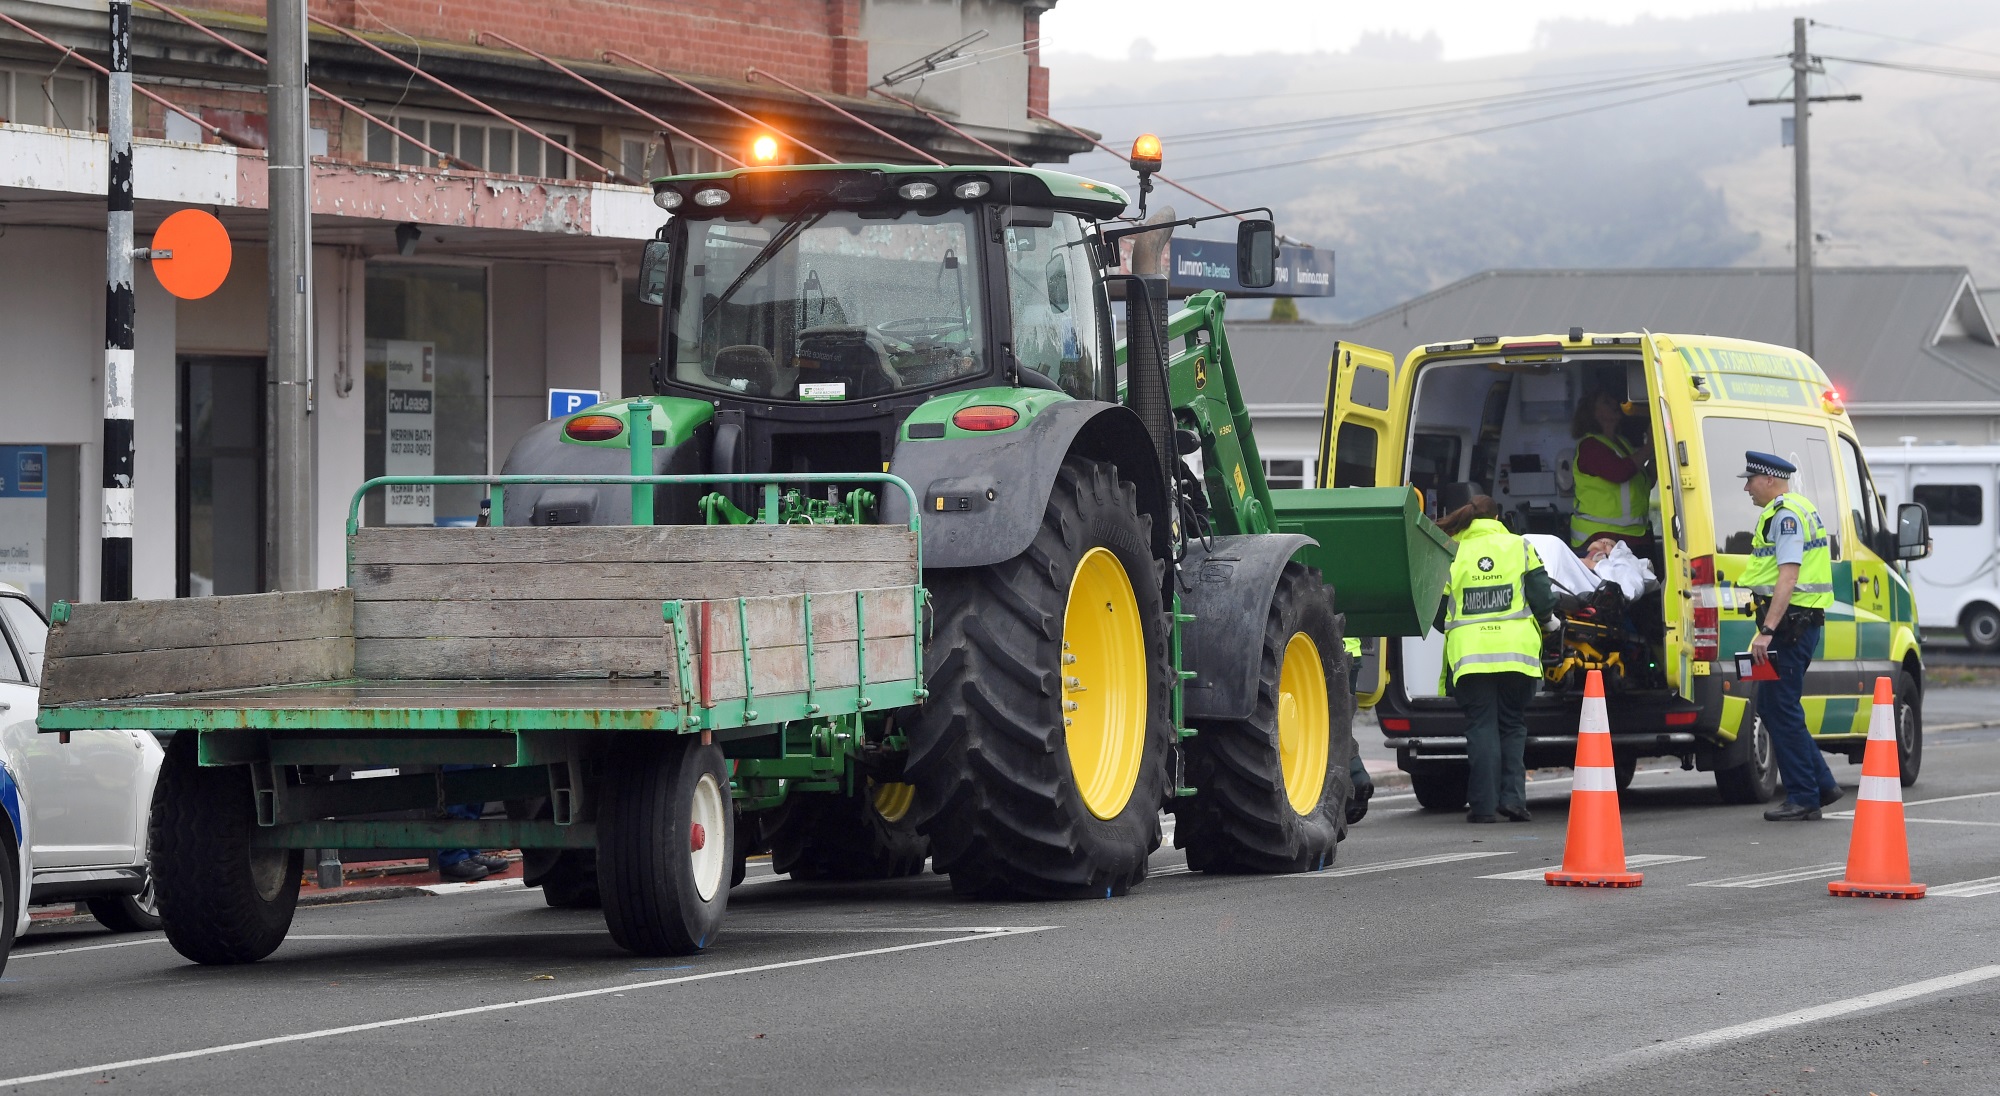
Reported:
(1705, 634)
(1393, 723)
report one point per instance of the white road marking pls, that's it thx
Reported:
(525, 1002)
(19, 955)
(1922, 802)
(1970, 888)
(1799, 1017)
(1773, 878)
(1949, 821)
(471, 888)
(1636, 860)
(1395, 865)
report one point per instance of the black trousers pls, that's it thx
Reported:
(1496, 738)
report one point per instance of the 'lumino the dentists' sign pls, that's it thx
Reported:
(1211, 264)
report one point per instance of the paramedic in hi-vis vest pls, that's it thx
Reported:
(1614, 478)
(1790, 577)
(1491, 616)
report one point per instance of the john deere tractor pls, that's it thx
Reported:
(1122, 617)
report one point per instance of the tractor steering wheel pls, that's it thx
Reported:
(918, 332)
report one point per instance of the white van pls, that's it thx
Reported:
(1959, 585)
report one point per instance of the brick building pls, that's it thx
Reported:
(485, 220)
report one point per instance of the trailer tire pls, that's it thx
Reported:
(666, 830)
(1251, 775)
(1015, 803)
(1440, 789)
(570, 883)
(1754, 780)
(872, 835)
(221, 901)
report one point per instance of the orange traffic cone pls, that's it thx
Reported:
(1594, 854)
(1878, 854)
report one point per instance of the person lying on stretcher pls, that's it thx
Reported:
(1606, 560)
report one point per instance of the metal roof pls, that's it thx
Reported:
(1885, 335)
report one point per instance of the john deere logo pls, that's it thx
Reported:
(1200, 373)
(1485, 563)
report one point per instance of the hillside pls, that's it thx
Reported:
(1690, 176)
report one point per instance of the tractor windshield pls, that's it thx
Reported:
(829, 305)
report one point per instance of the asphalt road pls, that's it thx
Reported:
(1407, 968)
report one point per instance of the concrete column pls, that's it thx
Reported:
(156, 392)
(339, 405)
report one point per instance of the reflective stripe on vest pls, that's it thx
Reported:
(1606, 506)
(1760, 575)
(1509, 639)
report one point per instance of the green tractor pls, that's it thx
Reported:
(1113, 629)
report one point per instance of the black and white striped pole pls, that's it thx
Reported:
(115, 581)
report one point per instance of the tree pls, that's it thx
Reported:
(1283, 310)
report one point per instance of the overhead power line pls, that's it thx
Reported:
(1905, 41)
(1352, 153)
(1989, 75)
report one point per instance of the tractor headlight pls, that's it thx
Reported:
(667, 198)
(972, 188)
(710, 196)
(918, 190)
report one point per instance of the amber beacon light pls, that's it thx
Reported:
(1146, 153)
(764, 150)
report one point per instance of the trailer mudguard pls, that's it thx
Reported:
(1227, 583)
(983, 496)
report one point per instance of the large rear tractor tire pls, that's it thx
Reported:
(1040, 756)
(664, 844)
(1272, 790)
(1754, 780)
(221, 901)
(1440, 789)
(869, 835)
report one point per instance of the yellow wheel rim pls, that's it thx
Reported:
(893, 801)
(1103, 683)
(1304, 722)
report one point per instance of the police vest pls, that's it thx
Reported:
(1606, 507)
(1489, 627)
(1760, 576)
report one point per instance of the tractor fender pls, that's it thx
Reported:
(542, 451)
(983, 497)
(1227, 583)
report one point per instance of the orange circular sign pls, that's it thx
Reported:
(201, 254)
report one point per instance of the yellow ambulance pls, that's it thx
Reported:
(1498, 415)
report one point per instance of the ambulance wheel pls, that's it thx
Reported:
(1624, 767)
(1909, 729)
(221, 900)
(870, 835)
(1040, 756)
(1982, 628)
(1756, 779)
(663, 846)
(10, 891)
(1440, 789)
(1272, 790)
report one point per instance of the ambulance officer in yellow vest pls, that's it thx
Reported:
(1491, 616)
(1790, 577)
(1614, 479)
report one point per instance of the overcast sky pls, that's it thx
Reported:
(1204, 28)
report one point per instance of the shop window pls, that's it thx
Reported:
(39, 500)
(221, 477)
(426, 390)
(1286, 474)
(480, 140)
(1950, 503)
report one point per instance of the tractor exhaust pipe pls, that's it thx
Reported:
(1146, 340)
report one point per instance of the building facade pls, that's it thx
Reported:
(477, 222)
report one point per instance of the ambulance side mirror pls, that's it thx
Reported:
(1913, 531)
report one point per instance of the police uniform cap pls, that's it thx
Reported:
(1766, 464)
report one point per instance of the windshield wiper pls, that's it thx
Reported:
(777, 243)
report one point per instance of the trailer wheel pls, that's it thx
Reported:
(570, 883)
(1272, 790)
(1440, 789)
(663, 846)
(1755, 780)
(1040, 756)
(872, 835)
(221, 901)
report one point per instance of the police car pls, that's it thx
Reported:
(73, 814)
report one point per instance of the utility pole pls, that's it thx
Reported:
(291, 293)
(1803, 65)
(115, 563)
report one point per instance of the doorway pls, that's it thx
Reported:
(220, 509)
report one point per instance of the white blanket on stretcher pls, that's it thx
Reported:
(1621, 567)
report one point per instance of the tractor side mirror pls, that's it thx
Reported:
(1256, 254)
(1913, 531)
(654, 265)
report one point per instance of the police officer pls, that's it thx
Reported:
(1491, 617)
(1790, 577)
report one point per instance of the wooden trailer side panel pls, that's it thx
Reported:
(112, 649)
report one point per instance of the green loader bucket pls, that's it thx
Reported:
(1385, 560)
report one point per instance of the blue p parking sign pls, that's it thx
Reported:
(568, 401)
